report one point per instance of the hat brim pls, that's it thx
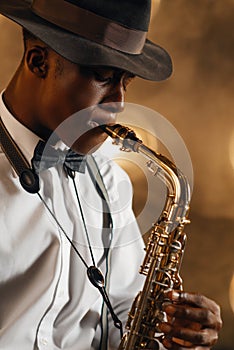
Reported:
(154, 63)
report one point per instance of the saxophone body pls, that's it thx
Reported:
(165, 247)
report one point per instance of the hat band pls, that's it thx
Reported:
(90, 26)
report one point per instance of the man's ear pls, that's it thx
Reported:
(37, 60)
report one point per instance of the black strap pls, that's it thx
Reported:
(28, 179)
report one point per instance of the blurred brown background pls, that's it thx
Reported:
(198, 101)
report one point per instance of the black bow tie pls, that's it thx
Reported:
(52, 157)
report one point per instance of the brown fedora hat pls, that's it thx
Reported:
(95, 32)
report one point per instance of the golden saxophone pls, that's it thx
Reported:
(165, 247)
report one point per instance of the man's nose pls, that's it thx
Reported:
(115, 98)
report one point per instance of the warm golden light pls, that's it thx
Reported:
(155, 7)
(231, 293)
(231, 149)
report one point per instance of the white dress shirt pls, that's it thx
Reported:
(46, 299)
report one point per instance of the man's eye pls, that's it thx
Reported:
(102, 77)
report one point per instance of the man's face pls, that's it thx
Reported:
(69, 88)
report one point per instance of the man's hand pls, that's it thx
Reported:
(193, 322)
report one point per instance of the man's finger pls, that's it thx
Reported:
(196, 300)
(202, 316)
(205, 337)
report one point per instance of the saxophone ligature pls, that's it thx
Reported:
(164, 249)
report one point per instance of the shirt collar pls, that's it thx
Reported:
(24, 138)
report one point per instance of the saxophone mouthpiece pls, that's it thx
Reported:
(123, 135)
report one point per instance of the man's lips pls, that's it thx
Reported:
(100, 116)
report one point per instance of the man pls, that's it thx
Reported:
(78, 54)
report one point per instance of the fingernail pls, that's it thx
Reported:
(172, 295)
(175, 295)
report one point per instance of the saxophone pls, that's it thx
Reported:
(165, 247)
